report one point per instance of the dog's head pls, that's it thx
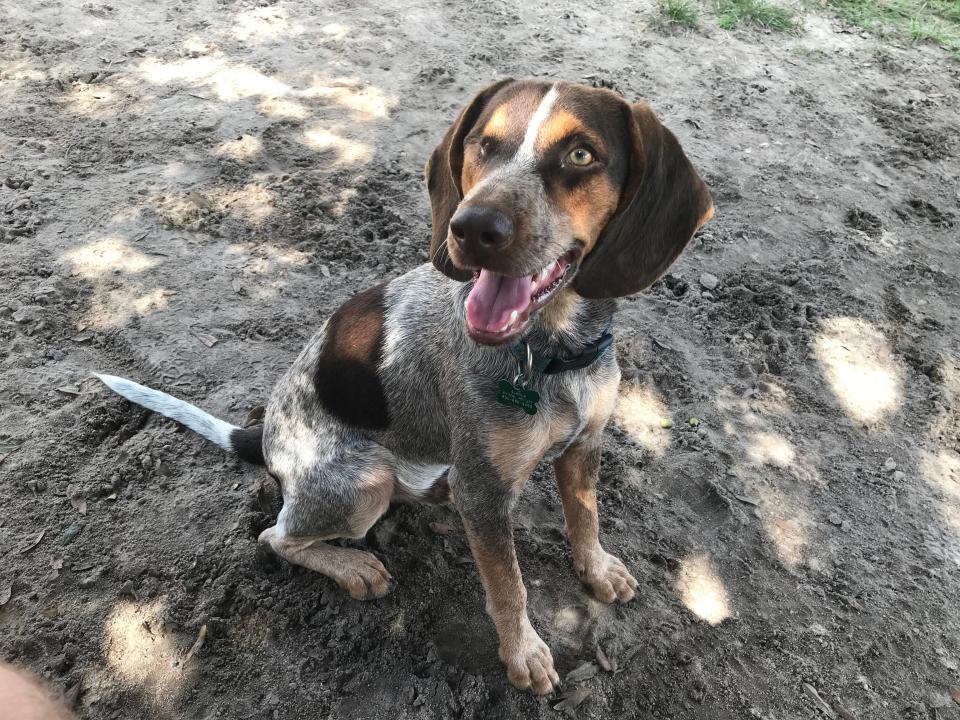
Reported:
(538, 186)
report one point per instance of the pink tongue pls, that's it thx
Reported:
(494, 297)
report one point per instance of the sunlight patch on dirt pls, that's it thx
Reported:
(702, 590)
(271, 259)
(368, 102)
(787, 525)
(253, 202)
(771, 449)
(856, 359)
(640, 412)
(281, 108)
(263, 24)
(239, 149)
(336, 31)
(138, 647)
(569, 623)
(348, 152)
(16, 73)
(110, 255)
(92, 100)
(114, 308)
(230, 81)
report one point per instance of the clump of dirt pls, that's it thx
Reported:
(918, 208)
(864, 221)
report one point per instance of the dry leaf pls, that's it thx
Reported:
(819, 702)
(198, 643)
(69, 389)
(199, 200)
(34, 542)
(6, 450)
(954, 693)
(56, 564)
(208, 340)
(6, 592)
(608, 664)
(572, 699)
(82, 337)
(584, 672)
(78, 500)
(440, 528)
(255, 416)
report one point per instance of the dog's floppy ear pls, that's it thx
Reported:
(443, 171)
(663, 203)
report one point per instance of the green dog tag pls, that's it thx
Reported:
(518, 396)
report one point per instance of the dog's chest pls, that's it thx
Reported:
(565, 420)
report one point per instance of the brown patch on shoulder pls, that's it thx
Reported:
(347, 383)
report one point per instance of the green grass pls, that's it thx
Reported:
(919, 21)
(679, 13)
(758, 13)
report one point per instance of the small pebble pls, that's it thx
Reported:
(693, 422)
(890, 465)
(709, 281)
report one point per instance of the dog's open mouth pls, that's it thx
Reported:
(499, 306)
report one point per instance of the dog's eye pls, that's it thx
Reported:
(581, 157)
(484, 147)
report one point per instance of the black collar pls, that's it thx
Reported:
(549, 365)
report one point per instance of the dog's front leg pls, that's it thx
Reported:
(605, 574)
(484, 505)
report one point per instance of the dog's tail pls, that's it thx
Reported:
(245, 442)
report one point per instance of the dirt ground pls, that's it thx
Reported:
(190, 188)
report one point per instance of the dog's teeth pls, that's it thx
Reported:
(513, 318)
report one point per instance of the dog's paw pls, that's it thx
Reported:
(362, 575)
(529, 661)
(608, 578)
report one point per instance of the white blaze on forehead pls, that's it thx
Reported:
(536, 122)
(523, 159)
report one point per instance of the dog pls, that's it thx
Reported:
(549, 201)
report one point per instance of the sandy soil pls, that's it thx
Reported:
(190, 188)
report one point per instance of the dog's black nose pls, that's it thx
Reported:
(481, 227)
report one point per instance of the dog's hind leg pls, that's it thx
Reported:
(313, 516)
(358, 572)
